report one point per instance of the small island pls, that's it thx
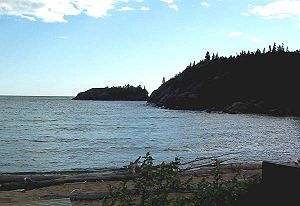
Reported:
(125, 93)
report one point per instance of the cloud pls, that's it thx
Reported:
(235, 34)
(55, 10)
(47, 10)
(58, 10)
(126, 8)
(173, 6)
(278, 9)
(205, 4)
(144, 8)
(168, 1)
(256, 40)
(95, 8)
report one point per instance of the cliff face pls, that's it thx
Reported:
(127, 93)
(258, 83)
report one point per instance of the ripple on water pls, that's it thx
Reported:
(46, 134)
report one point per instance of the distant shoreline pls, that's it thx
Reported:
(3, 95)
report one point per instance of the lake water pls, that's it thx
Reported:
(40, 134)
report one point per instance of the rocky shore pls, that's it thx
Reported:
(255, 83)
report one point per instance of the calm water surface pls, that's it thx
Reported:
(54, 133)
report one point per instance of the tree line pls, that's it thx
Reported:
(272, 49)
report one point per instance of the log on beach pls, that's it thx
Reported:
(89, 196)
(6, 178)
(30, 185)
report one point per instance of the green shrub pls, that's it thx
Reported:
(161, 185)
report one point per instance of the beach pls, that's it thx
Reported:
(75, 185)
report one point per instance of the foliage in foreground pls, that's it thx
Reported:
(161, 185)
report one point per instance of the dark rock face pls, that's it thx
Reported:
(127, 93)
(264, 83)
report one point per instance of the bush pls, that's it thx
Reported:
(161, 185)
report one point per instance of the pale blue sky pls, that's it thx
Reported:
(62, 47)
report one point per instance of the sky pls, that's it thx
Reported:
(63, 47)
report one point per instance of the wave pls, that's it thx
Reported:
(183, 149)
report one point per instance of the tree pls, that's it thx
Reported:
(207, 56)
(270, 48)
(274, 48)
(164, 80)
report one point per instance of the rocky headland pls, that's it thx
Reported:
(257, 82)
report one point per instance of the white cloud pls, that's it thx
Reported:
(143, 8)
(278, 9)
(235, 34)
(46, 10)
(256, 40)
(58, 10)
(298, 25)
(168, 1)
(29, 18)
(95, 8)
(126, 8)
(173, 6)
(205, 4)
(55, 10)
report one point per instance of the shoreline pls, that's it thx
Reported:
(61, 186)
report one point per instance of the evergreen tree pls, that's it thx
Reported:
(207, 56)
(258, 52)
(274, 48)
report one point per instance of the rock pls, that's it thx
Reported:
(237, 107)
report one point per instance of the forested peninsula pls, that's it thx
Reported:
(265, 81)
(125, 93)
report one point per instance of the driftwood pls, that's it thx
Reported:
(211, 158)
(29, 185)
(89, 196)
(81, 196)
(6, 178)
(200, 166)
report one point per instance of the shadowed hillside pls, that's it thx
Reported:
(256, 82)
(126, 93)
